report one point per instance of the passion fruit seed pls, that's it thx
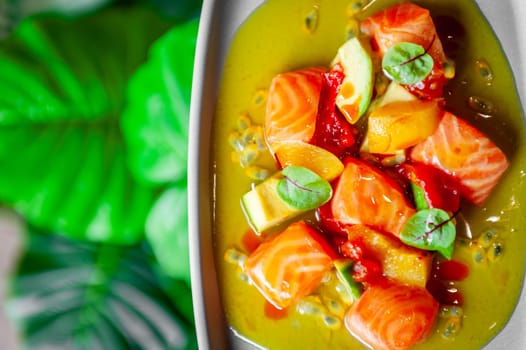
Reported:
(481, 105)
(449, 69)
(352, 28)
(335, 307)
(356, 6)
(313, 306)
(487, 238)
(495, 251)
(248, 143)
(451, 321)
(311, 20)
(249, 155)
(234, 256)
(478, 254)
(234, 139)
(259, 99)
(243, 121)
(260, 141)
(451, 311)
(452, 327)
(484, 70)
(244, 277)
(310, 306)
(249, 134)
(487, 248)
(257, 173)
(332, 322)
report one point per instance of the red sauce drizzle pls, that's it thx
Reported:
(442, 282)
(273, 312)
(333, 132)
(250, 241)
(451, 270)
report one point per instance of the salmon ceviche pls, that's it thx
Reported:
(372, 179)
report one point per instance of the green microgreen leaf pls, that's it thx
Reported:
(303, 189)
(430, 229)
(419, 197)
(407, 63)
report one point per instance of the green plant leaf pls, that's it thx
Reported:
(72, 295)
(167, 232)
(62, 154)
(179, 9)
(430, 229)
(303, 189)
(155, 126)
(155, 121)
(407, 63)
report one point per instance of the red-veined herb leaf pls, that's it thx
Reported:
(407, 63)
(430, 229)
(303, 189)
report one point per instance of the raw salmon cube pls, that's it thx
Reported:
(466, 154)
(290, 265)
(364, 195)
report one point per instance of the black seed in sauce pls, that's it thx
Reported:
(481, 105)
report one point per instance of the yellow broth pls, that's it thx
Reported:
(273, 40)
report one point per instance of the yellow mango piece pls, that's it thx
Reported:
(314, 158)
(404, 264)
(398, 125)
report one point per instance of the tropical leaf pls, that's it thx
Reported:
(62, 156)
(179, 9)
(13, 11)
(155, 126)
(167, 232)
(71, 295)
(24, 8)
(155, 120)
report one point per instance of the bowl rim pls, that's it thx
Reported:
(212, 42)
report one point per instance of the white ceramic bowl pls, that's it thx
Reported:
(219, 22)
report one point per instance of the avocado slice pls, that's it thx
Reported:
(357, 87)
(264, 208)
(344, 269)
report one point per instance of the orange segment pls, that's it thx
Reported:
(314, 158)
